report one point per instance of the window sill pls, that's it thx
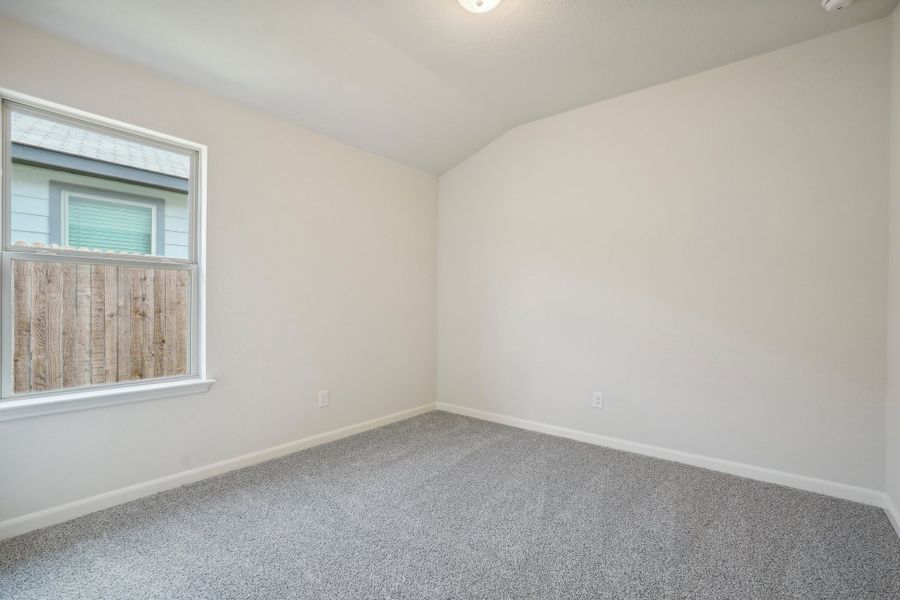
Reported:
(34, 406)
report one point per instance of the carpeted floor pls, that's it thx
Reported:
(447, 507)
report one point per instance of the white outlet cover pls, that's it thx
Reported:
(597, 400)
(323, 398)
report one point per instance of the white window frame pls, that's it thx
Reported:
(22, 405)
(64, 210)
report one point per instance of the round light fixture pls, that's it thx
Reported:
(479, 6)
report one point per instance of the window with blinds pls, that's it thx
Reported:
(109, 225)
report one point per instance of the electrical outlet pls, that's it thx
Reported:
(597, 401)
(323, 398)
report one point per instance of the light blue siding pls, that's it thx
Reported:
(29, 220)
(176, 251)
(175, 223)
(177, 237)
(30, 206)
(30, 223)
(30, 181)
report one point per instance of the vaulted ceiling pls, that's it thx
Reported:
(423, 81)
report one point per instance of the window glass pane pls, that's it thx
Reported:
(77, 325)
(74, 187)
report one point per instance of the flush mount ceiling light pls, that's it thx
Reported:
(479, 6)
(836, 5)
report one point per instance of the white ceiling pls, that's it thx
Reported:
(423, 81)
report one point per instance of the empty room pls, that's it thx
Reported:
(450, 299)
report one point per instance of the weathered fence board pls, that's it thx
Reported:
(138, 316)
(78, 324)
(123, 326)
(83, 318)
(22, 299)
(69, 289)
(180, 312)
(111, 326)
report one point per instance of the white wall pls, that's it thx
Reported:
(709, 253)
(321, 276)
(892, 421)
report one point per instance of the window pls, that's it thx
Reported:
(108, 223)
(102, 261)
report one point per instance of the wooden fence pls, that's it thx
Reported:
(77, 324)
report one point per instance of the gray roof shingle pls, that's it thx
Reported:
(34, 131)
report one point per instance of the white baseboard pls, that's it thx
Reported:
(811, 484)
(59, 514)
(893, 513)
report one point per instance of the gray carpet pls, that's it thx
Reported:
(441, 507)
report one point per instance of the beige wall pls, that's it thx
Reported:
(893, 359)
(709, 253)
(321, 276)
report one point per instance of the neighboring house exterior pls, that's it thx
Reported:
(74, 187)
